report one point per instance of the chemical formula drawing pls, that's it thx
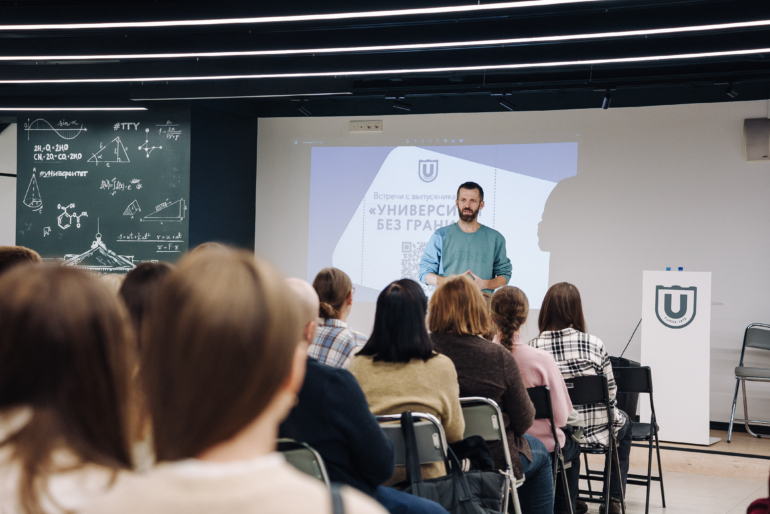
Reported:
(114, 152)
(168, 211)
(32, 199)
(65, 130)
(146, 146)
(64, 225)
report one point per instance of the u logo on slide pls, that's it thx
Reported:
(427, 170)
(683, 299)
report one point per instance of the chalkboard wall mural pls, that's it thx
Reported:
(104, 191)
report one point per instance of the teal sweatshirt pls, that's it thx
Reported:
(451, 251)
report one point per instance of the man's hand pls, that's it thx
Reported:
(480, 282)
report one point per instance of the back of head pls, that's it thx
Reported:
(458, 307)
(510, 308)
(399, 333)
(65, 351)
(562, 308)
(11, 256)
(217, 348)
(140, 287)
(492, 329)
(333, 287)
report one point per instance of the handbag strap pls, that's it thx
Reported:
(462, 489)
(413, 472)
(337, 506)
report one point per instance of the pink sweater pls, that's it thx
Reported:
(538, 368)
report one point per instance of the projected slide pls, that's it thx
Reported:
(372, 210)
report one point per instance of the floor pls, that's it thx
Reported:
(703, 483)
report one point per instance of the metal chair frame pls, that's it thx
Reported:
(494, 430)
(762, 343)
(294, 451)
(639, 380)
(610, 451)
(428, 431)
(541, 399)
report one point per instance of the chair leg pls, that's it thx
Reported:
(732, 414)
(614, 449)
(746, 412)
(649, 474)
(516, 503)
(588, 474)
(566, 488)
(607, 476)
(660, 468)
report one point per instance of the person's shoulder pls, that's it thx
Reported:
(492, 233)
(443, 231)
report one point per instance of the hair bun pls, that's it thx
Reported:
(327, 311)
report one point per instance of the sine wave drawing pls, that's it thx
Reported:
(66, 132)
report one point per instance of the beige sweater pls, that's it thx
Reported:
(418, 386)
(265, 485)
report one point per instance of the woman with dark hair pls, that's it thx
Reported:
(577, 353)
(399, 371)
(510, 309)
(139, 289)
(335, 342)
(458, 318)
(65, 357)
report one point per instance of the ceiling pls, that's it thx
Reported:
(533, 55)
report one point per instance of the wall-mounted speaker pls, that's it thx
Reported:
(756, 139)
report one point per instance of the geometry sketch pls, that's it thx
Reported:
(146, 145)
(116, 153)
(32, 199)
(100, 259)
(168, 211)
(132, 209)
(69, 216)
(42, 125)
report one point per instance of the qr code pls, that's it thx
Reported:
(411, 254)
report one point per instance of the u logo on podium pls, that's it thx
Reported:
(675, 306)
(427, 169)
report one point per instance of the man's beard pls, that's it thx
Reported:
(467, 218)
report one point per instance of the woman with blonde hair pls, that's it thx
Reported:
(458, 317)
(335, 342)
(510, 309)
(222, 366)
(65, 361)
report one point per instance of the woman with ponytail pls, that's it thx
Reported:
(335, 342)
(509, 310)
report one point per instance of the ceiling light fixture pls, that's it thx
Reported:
(493, 67)
(607, 100)
(73, 109)
(381, 48)
(304, 110)
(293, 18)
(398, 104)
(508, 105)
(729, 91)
(298, 95)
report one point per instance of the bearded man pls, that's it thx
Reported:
(467, 247)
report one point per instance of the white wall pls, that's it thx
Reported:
(8, 186)
(656, 187)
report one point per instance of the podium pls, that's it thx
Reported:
(676, 337)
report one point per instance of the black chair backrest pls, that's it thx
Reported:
(541, 399)
(588, 389)
(633, 380)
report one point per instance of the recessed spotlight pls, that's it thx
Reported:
(607, 100)
(304, 110)
(399, 104)
(729, 91)
(508, 105)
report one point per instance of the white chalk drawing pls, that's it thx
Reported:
(100, 259)
(114, 152)
(46, 231)
(170, 130)
(65, 225)
(168, 211)
(32, 199)
(132, 209)
(146, 145)
(67, 130)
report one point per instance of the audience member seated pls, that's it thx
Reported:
(113, 281)
(64, 380)
(222, 364)
(11, 256)
(457, 317)
(335, 342)
(333, 417)
(563, 335)
(399, 371)
(140, 288)
(510, 308)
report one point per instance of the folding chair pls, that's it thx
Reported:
(541, 399)
(593, 390)
(757, 336)
(431, 440)
(483, 418)
(639, 380)
(304, 458)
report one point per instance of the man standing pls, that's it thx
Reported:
(467, 247)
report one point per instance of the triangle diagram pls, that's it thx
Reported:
(168, 211)
(113, 152)
(32, 199)
(132, 209)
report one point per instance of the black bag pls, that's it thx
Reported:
(473, 492)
